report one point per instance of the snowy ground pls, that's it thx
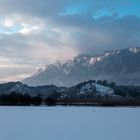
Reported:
(69, 123)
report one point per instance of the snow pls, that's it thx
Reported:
(85, 57)
(104, 90)
(66, 71)
(134, 50)
(87, 88)
(118, 52)
(69, 123)
(92, 60)
(99, 58)
(107, 54)
(17, 87)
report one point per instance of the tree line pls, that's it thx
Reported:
(18, 99)
(128, 95)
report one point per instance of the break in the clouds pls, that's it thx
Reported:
(34, 33)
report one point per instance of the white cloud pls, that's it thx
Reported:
(16, 77)
(33, 46)
(28, 30)
(47, 54)
(14, 23)
(13, 70)
(8, 23)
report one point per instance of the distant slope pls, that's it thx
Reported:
(88, 90)
(21, 88)
(120, 66)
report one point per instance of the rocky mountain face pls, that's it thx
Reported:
(121, 66)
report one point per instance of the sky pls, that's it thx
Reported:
(34, 33)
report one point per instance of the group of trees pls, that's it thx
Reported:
(128, 91)
(124, 91)
(18, 99)
(128, 94)
(106, 83)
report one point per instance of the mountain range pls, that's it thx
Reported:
(85, 91)
(121, 66)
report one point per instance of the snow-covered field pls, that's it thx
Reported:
(69, 123)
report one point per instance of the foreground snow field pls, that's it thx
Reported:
(69, 123)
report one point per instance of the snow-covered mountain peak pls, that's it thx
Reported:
(109, 53)
(93, 60)
(135, 50)
(125, 51)
(87, 60)
(121, 66)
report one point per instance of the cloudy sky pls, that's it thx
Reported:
(34, 33)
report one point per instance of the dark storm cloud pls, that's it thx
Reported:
(97, 35)
(53, 7)
(91, 31)
(32, 7)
